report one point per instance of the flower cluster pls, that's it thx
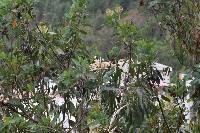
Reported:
(118, 9)
(109, 12)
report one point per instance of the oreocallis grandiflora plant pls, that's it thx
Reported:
(136, 108)
(180, 19)
(38, 63)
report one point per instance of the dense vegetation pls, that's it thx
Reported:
(47, 48)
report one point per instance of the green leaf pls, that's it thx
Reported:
(83, 32)
(16, 102)
(165, 98)
(71, 107)
(2, 55)
(30, 87)
(60, 51)
(46, 79)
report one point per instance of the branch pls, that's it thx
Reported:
(47, 42)
(23, 114)
(162, 112)
(80, 120)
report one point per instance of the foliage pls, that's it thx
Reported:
(137, 104)
(41, 60)
(33, 55)
(181, 20)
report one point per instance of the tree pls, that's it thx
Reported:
(33, 55)
(181, 20)
(41, 60)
